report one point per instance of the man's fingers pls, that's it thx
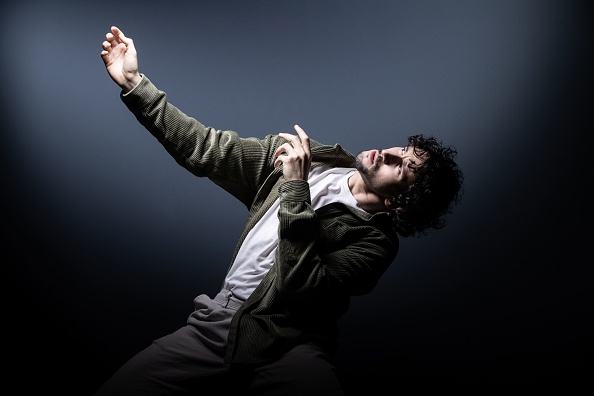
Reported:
(295, 145)
(284, 148)
(294, 154)
(117, 32)
(113, 38)
(282, 153)
(296, 141)
(304, 138)
(300, 131)
(119, 36)
(110, 41)
(289, 137)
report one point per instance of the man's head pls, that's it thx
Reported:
(420, 183)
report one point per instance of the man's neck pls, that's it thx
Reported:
(366, 199)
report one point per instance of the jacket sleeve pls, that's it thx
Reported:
(331, 252)
(239, 165)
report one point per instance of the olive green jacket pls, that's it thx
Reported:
(323, 257)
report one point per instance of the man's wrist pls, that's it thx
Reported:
(131, 83)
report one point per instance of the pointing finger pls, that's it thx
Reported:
(304, 138)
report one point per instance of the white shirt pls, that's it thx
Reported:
(256, 254)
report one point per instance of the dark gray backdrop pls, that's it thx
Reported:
(107, 240)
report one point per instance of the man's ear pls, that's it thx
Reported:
(391, 204)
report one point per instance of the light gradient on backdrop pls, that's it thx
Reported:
(480, 75)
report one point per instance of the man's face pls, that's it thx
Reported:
(389, 172)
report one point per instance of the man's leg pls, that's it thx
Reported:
(305, 370)
(188, 359)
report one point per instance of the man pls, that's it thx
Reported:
(322, 226)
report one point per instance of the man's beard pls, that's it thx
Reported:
(366, 172)
(369, 174)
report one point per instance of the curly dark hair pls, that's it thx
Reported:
(437, 188)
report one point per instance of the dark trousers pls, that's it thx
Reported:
(190, 362)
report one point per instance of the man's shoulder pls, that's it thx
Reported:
(331, 155)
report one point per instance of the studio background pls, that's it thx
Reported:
(107, 240)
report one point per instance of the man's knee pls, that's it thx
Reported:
(304, 370)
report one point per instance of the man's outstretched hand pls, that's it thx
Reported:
(121, 60)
